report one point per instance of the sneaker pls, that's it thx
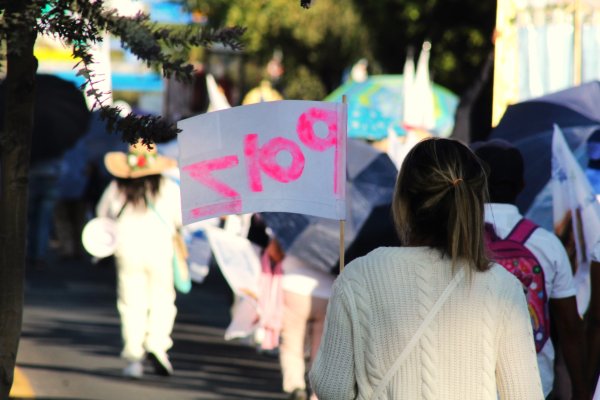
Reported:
(134, 370)
(298, 394)
(161, 364)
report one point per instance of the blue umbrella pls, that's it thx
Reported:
(376, 105)
(370, 180)
(529, 126)
(593, 168)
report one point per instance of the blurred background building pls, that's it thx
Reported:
(543, 46)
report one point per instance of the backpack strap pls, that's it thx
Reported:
(490, 232)
(121, 210)
(522, 231)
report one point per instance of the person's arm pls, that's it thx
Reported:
(332, 376)
(593, 326)
(571, 339)
(274, 251)
(517, 371)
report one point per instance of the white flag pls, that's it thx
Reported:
(576, 214)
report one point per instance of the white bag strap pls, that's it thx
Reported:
(415, 339)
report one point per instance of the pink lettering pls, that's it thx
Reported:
(265, 158)
(306, 133)
(202, 172)
(269, 163)
(230, 207)
(252, 166)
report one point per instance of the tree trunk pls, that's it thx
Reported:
(15, 147)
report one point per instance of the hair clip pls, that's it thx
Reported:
(456, 181)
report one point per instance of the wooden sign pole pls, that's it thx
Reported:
(342, 222)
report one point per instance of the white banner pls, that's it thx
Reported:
(286, 156)
(238, 260)
(576, 214)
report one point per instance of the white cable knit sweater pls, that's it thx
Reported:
(478, 346)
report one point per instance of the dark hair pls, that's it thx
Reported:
(439, 201)
(593, 150)
(506, 169)
(139, 190)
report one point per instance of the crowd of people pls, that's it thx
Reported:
(382, 335)
(477, 302)
(476, 333)
(434, 318)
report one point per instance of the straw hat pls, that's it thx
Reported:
(138, 162)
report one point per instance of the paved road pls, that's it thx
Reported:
(71, 342)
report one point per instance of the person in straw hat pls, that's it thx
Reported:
(146, 208)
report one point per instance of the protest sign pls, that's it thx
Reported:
(576, 214)
(238, 260)
(286, 156)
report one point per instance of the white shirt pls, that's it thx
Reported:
(553, 259)
(144, 233)
(301, 278)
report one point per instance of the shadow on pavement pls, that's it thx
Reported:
(72, 305)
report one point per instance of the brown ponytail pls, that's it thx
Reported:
(439, 201)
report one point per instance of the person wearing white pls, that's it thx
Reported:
(553, 259)
(505, 182)
(145, 229)
(482, 343)
(435, 318)
(306, 291)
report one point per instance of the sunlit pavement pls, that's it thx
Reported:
(21, 388)
(71, 342)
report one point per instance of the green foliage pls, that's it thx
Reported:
(304, 85)
(460, 32)
(331, 35)
(81, 23)
(320, 41)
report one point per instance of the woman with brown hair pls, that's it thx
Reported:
(435, 318)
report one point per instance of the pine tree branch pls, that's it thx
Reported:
(81, 24)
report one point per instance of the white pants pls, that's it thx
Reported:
(303, 322)
(146, 304)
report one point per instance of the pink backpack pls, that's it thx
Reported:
(512, 254)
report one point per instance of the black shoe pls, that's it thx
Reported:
(298, 394)
(161, 364)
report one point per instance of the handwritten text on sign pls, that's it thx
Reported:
(286, 156)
